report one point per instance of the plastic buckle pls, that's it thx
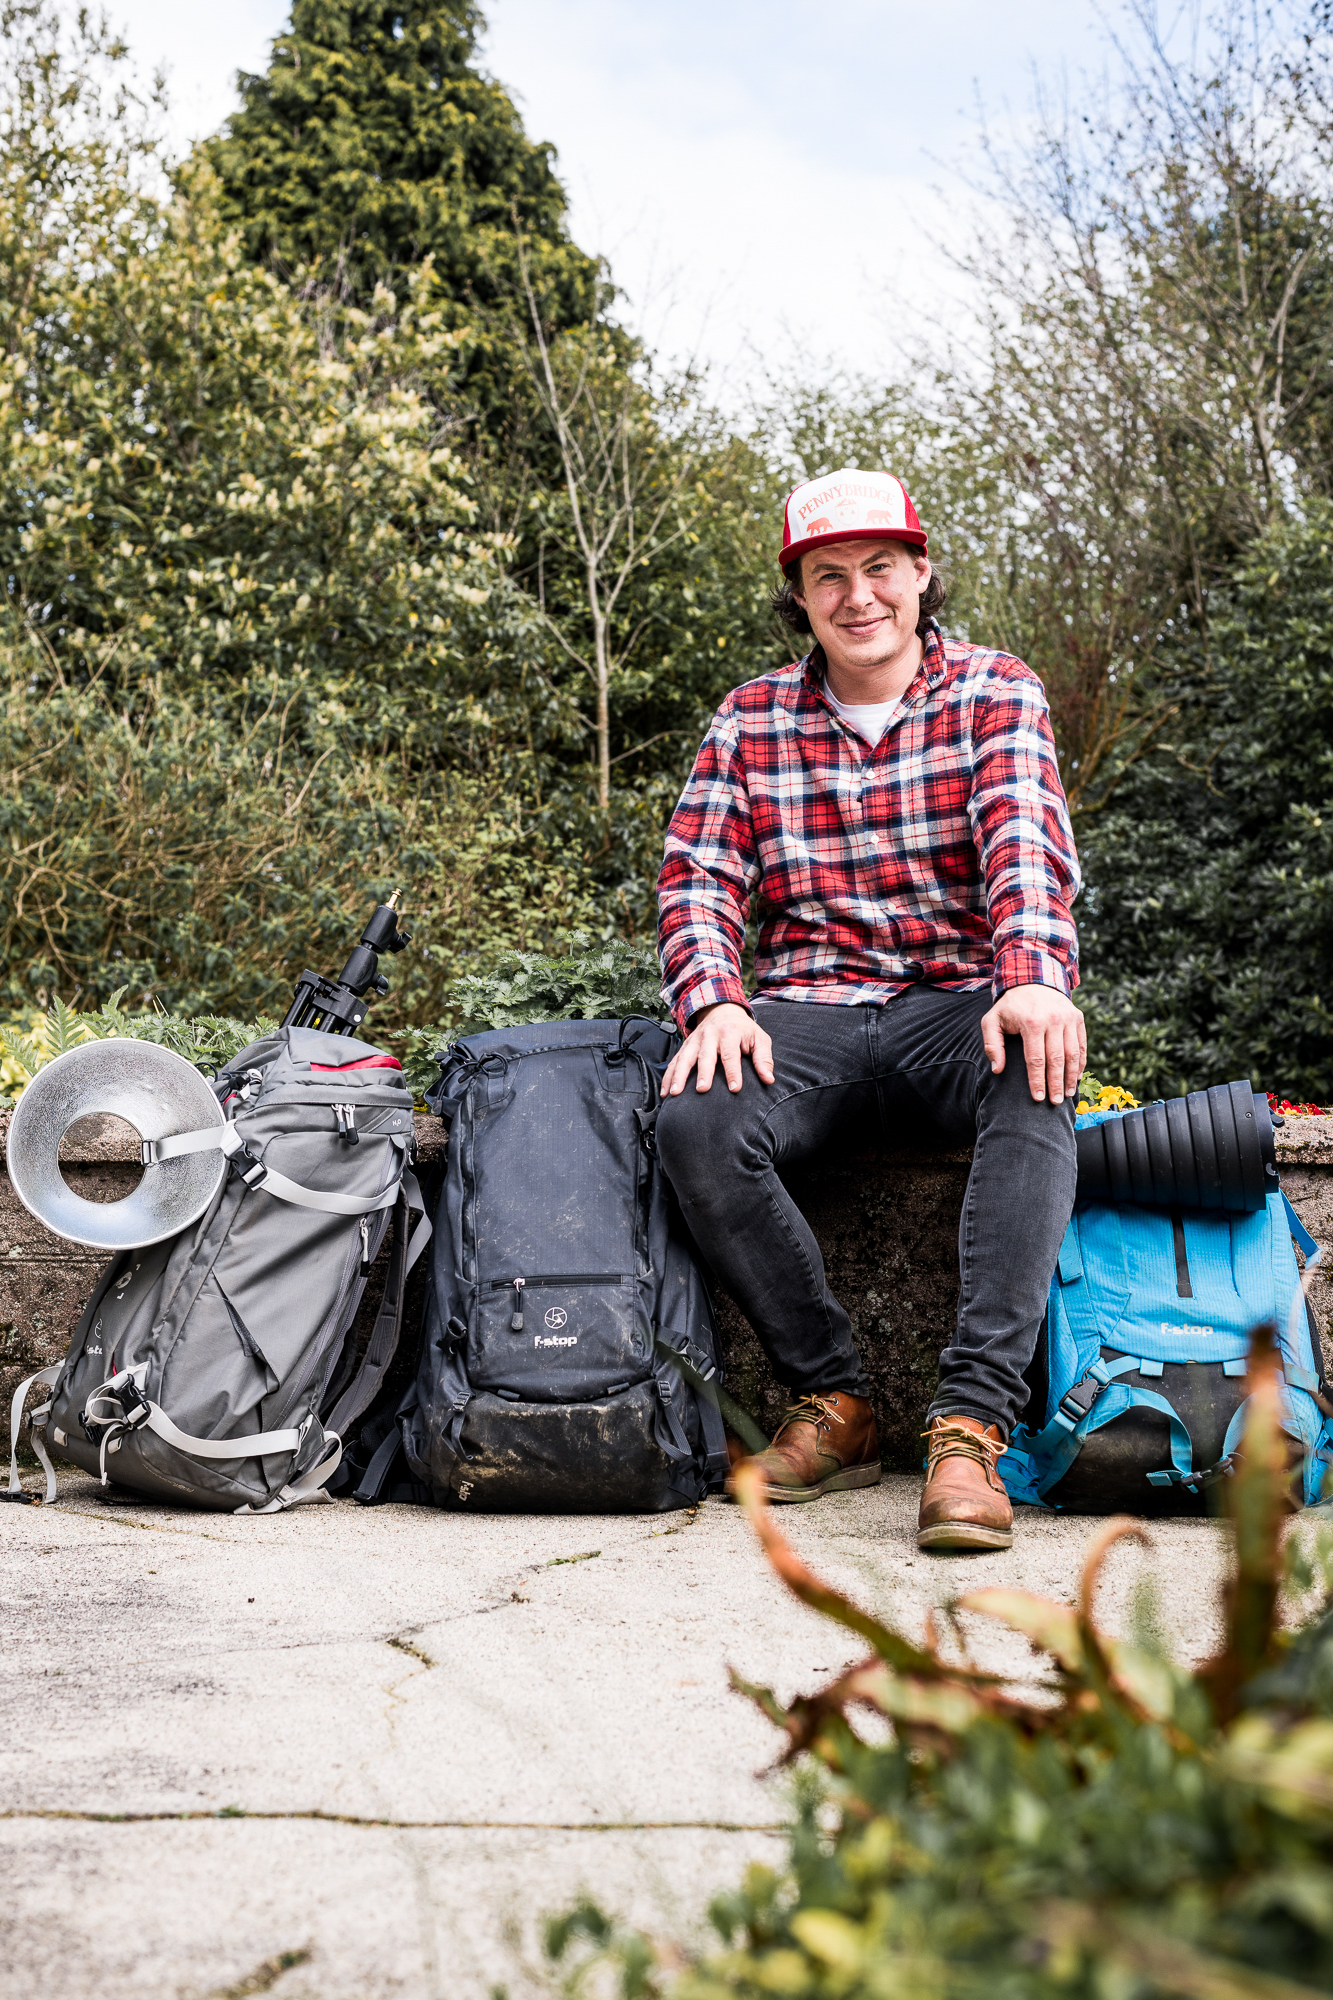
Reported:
(1076, 1402)
(149, 1153)
(692, 1357)
(698, 1360)
(134, 1407)
(254, 1173)
(132, 1401)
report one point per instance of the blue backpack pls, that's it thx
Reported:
(1138, 1382)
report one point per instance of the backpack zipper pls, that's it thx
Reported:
(520, 1285)
(561, 1278)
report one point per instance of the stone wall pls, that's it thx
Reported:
(886, 1222)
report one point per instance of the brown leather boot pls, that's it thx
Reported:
(964, 1505)
(824, 1444)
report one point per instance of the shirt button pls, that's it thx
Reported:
(875, 838)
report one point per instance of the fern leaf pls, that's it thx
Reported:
(28, 1054)
(64, 1028)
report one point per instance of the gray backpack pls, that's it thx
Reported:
(219, 1368)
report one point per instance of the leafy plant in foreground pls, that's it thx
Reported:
(1130, 1828)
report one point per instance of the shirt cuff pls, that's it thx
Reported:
(1024, 965)
(710, 992)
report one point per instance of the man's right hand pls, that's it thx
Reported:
(723, 1034)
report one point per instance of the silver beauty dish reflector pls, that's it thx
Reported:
(152, 1089)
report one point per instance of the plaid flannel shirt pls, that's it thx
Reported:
(943, 855)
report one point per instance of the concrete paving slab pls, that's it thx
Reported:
(428, 1730)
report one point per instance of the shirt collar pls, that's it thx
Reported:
(927, 676)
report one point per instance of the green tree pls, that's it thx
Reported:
(1154, 383)
(373, 142)
(1207, 928)
(628, 506)
(258, 660)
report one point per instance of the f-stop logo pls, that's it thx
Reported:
(556, 1318)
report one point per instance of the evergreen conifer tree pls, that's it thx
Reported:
(373, 141)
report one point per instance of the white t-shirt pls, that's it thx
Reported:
(868, 718)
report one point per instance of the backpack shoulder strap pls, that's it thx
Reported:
(370, 1488)
(1093, 1304)
(1300, 1336)
(364, 1386)
(1301, 1236)
(48, 1377)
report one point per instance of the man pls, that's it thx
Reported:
(893, 802)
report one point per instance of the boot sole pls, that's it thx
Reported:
(838, 1482)
(963, 1535)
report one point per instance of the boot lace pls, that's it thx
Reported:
(808, 1410)
(945, 1440)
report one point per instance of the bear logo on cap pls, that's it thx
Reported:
(849, 505)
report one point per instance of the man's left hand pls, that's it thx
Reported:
(1055, 1041)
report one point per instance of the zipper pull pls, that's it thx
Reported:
(516, 1323)
(347, 1131)
(364, 1226)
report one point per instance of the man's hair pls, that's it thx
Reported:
(783, 600)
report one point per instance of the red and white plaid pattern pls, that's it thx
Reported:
(943, 856)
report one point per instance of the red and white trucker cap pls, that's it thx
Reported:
(848, 506)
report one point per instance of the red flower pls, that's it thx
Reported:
(1286, 1109)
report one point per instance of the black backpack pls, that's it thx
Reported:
(570, 1360)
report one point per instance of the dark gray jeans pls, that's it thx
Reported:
(918, 1061)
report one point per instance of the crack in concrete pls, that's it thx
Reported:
(318, 1815)
(265, 1975)
(404, 1645)
(691, 1516)
(161, 1528)
(325, 1642)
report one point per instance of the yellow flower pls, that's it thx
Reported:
(1103, 1097)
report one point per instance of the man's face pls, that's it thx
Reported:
(863, 599)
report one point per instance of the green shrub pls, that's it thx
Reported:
(1206, 929)
(1142, 1830)
(584, 982)
(209, 1041)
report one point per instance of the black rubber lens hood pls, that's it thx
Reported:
(1212, 1149)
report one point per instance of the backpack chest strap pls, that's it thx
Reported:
(255, 1174)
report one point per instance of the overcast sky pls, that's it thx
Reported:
(755, 170)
